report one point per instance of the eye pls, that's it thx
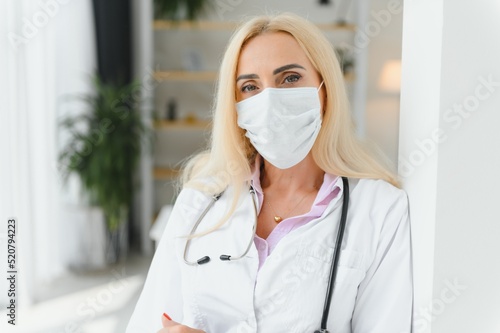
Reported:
(248, 88)
(292, 78)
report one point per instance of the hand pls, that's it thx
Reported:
(170, 326)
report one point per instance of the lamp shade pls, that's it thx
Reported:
(390, 77)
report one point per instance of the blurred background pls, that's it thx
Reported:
(104, 100)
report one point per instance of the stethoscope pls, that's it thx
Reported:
(336, 252)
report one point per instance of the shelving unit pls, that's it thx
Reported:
(185, 76)
(165, 173)
(182, 124)
(187, 72)
(211, 25)
(196, 25)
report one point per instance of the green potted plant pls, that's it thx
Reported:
(103, 150)
(179, 9)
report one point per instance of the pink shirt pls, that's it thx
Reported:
(326, 193)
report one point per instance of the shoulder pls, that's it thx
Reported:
(377, 187)
(192, 196)
(377, 212)
(188, 206)
(203, 189)
(378, 197)
(191, 200)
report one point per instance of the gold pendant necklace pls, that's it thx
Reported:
(278, 218)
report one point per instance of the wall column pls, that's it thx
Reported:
(450, 161)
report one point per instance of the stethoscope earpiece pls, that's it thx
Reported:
(336, 252)
(203, 260)
(206, 259)
(223, 257)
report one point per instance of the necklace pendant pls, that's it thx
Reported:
(278, 219)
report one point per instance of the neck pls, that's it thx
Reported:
(305, 176)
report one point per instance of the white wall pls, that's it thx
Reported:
(467, 215)
(452, 177)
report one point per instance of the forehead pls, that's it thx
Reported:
(269, 51)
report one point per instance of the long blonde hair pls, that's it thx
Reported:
(230, 156)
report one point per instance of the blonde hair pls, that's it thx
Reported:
(229, 159)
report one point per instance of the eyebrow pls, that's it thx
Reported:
(247, 76)
(286, 67)
(276, 71)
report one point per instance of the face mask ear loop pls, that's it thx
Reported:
(320, 85)
(323, 110)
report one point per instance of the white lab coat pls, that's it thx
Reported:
(373, 292)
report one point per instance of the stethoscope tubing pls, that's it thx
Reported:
(336, 257)
(204, 259)
(336, 252)
(223, 257)
(254, 230)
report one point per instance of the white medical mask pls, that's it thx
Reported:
(282, 123)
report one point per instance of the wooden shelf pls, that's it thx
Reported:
(182, 124)
(349, 77)
(335, 26)
(165, 173)
(185, 76)
(194, 25)
(224, 25)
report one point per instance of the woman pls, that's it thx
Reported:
(282, 138)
